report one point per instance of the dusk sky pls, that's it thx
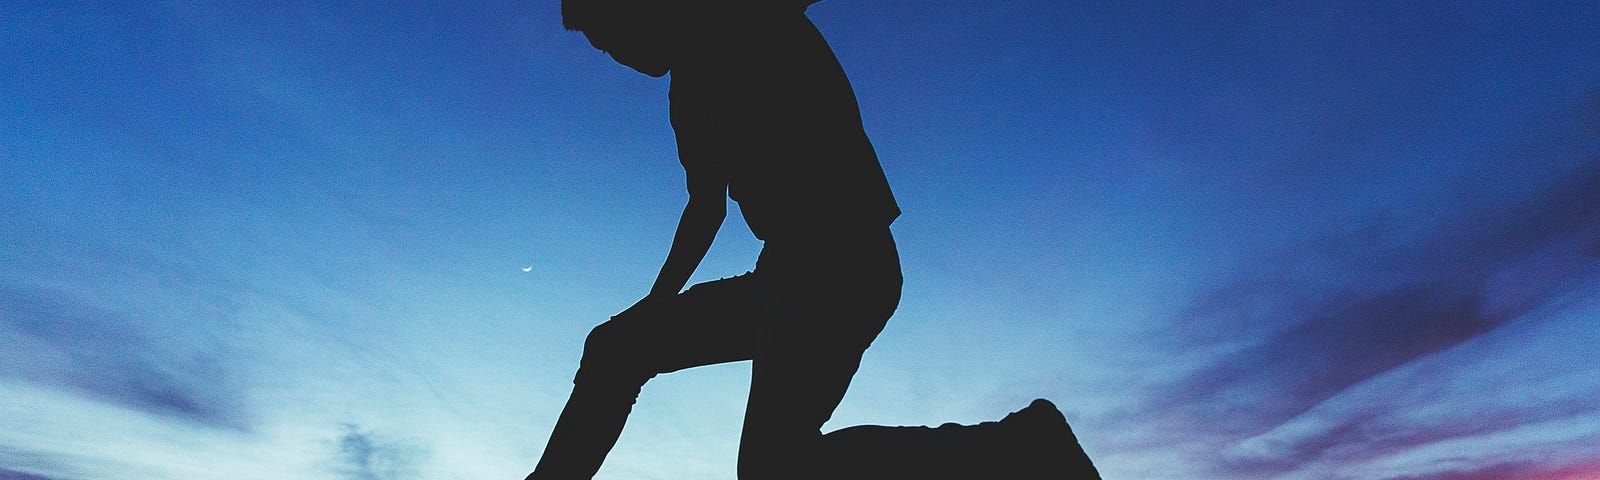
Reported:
(1231, 240)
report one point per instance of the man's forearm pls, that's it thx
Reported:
(696, 229)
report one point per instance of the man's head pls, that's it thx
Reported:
(636, 33)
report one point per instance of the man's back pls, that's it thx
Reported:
(769, 106)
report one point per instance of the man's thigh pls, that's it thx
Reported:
(816, 333)
(712, 322)
(794, 389)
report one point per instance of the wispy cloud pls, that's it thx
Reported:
(1293, 331)
(1521, 470)
(21, 464)
(1401, 302)
(6, 474)
(59, 340)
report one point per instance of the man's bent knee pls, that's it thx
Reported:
(610, 356)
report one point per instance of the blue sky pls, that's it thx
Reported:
(1274, 240)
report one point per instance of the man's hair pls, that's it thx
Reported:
(581, 15)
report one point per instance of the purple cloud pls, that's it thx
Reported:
(1413, 301)
(1295, 330)
(1518, 470)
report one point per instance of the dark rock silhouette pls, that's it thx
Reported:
(764, 115)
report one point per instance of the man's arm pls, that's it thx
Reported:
(702, 217)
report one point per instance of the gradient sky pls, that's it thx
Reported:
(1254, 240)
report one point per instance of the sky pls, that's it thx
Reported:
(1242, 239)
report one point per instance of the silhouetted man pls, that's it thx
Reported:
(764, 115)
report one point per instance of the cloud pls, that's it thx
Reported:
(1293, 330)
(1521, 470)
(361, 455)
(18, 464)
(1400, 302)
(58, 340)
(7, 474)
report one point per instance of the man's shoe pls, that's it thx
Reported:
(1036, 442)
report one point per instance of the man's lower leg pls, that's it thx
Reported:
(588, 428)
